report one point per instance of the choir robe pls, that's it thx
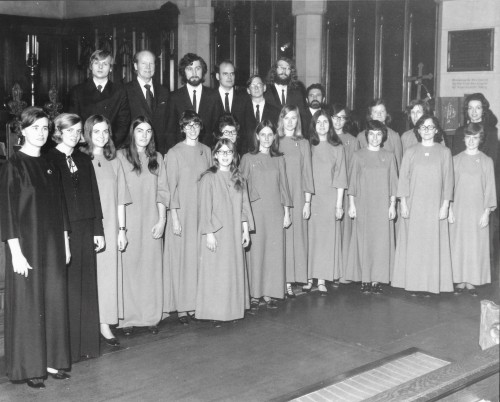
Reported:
(113, 191)
(185, 164)
(392, 144)
(474, 192)
(423, 257)
(33, 210)
(351, 145)
(85, 215)
(299, 175)
(222, 292)
(269, 193)
(325, 231)
(142, 261)
(373, 180)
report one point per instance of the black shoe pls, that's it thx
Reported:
(271, 304)
(377, 289)
(153, 329)
(127, 330)
(183, 320)
(458, 290)
(336, 283)
(473, 292)
(60, 375)
(366, 287)
(36, 383)
(111, 341)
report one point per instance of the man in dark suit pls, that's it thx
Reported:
(283, 86)
(98, 95)
(195, 96)
(147, 98)
(230, 100)
(315, 101)
(257, 110)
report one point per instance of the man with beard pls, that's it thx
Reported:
(148, 98)
(230, 100)
(195, 96)
(315, 100)
(283, 86)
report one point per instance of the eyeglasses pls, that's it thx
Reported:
(232, 133)
(192, 126)
(339, 117)
(225, 153)
(426, 129)
(256, 86)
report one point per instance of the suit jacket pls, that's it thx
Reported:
(85, 100)
(306, 121)
(294, 97)
(179, 102)
(158, 114)
(270, 112)
(240, 99)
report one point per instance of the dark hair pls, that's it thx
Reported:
(297, 135)
(236, 177)
(187, 60)
(316, 86)
(100, 55)
(225, 61)
(227, 119)
(274, 150)
(130, 148)
(349, 126)
(189, 116)
(62, 122)
(294, 80)
(331, 136)
(474, 129)
(109, 150)
(377, 102)
(28, 117)
(419, 102)
(488, 118)
(420, 122)
(375, 125)
(252, 77)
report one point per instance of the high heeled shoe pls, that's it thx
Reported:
(60, 375)
(111, 341)
(36, 383)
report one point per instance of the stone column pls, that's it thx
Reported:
(309, 38)
(194, 29)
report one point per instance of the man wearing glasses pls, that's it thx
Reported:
(194, 96)
(257, 110)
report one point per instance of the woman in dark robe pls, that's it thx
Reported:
(34, 223)
(85, 215)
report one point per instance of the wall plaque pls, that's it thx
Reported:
(470, 50)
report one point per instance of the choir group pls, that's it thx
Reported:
(100, 238)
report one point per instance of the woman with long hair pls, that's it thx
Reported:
(225, 221)
(35, 225)
(372, 206)
(297, 154)
(425, 188)
(474, 200)
(114, 196)
(185, 163)
(344, 128)
(87, 234)
(330, 181)
(142, 293)
(264, 170)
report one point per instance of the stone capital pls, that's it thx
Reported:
(308, 7)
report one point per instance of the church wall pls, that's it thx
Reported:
(459, 15)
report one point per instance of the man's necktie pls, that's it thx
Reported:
(149, 96)
(226, 103)
(99, 88)
(257, 114)
(283, 100)
(194, 101)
